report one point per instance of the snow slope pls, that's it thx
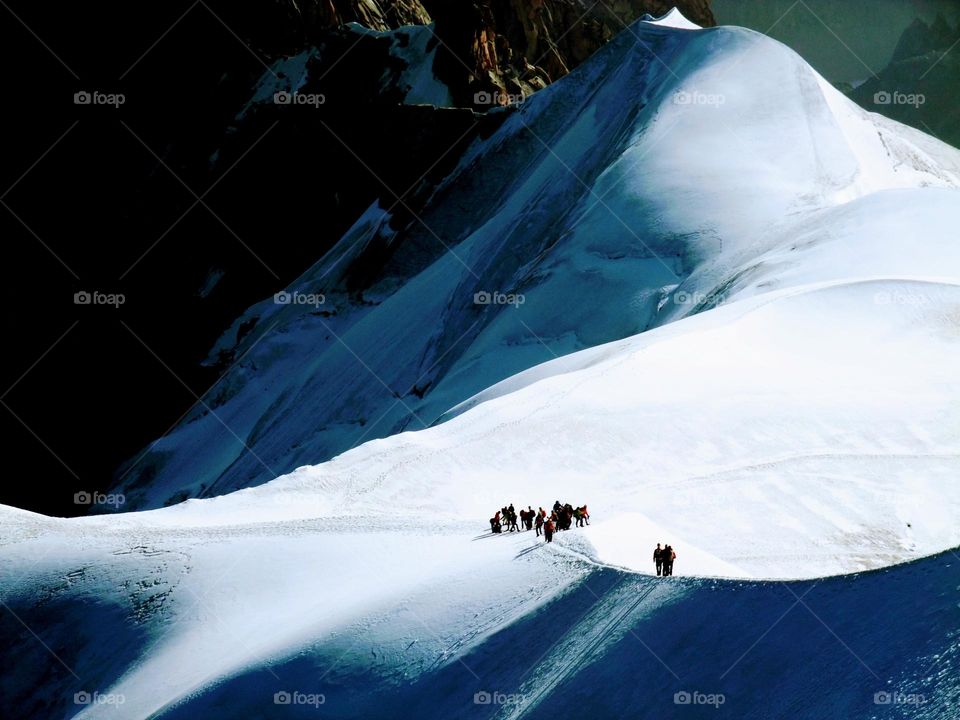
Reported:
(797, 433)
(789, 412)
(225, 624)
(675, 169)
(371, 572)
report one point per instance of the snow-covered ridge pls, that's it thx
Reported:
(749, 412)
(790, 410)
(756, 230)
(819, 447)
(674, 166)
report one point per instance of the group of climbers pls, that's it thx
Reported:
(561, 518)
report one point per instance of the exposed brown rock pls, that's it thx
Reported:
(503, 48)
(499, 49)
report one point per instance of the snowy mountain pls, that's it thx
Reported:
(676, 170)
(690, 284)
(180, 137)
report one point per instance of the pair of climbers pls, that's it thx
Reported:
(507, 516)
(526, 518)
(510, 517)
(663, 560)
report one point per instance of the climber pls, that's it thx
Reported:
(548, 531)
(668, 557)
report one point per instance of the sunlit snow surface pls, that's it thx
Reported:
(790, 413)
(675, 170)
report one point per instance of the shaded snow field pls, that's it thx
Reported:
(805, 426)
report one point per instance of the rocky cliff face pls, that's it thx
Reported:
(519, 46)
(278, 27)
(490, 51)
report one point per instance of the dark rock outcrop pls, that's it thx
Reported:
(277, 27)
(920, 38)
(501, 49)
(521, 45)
